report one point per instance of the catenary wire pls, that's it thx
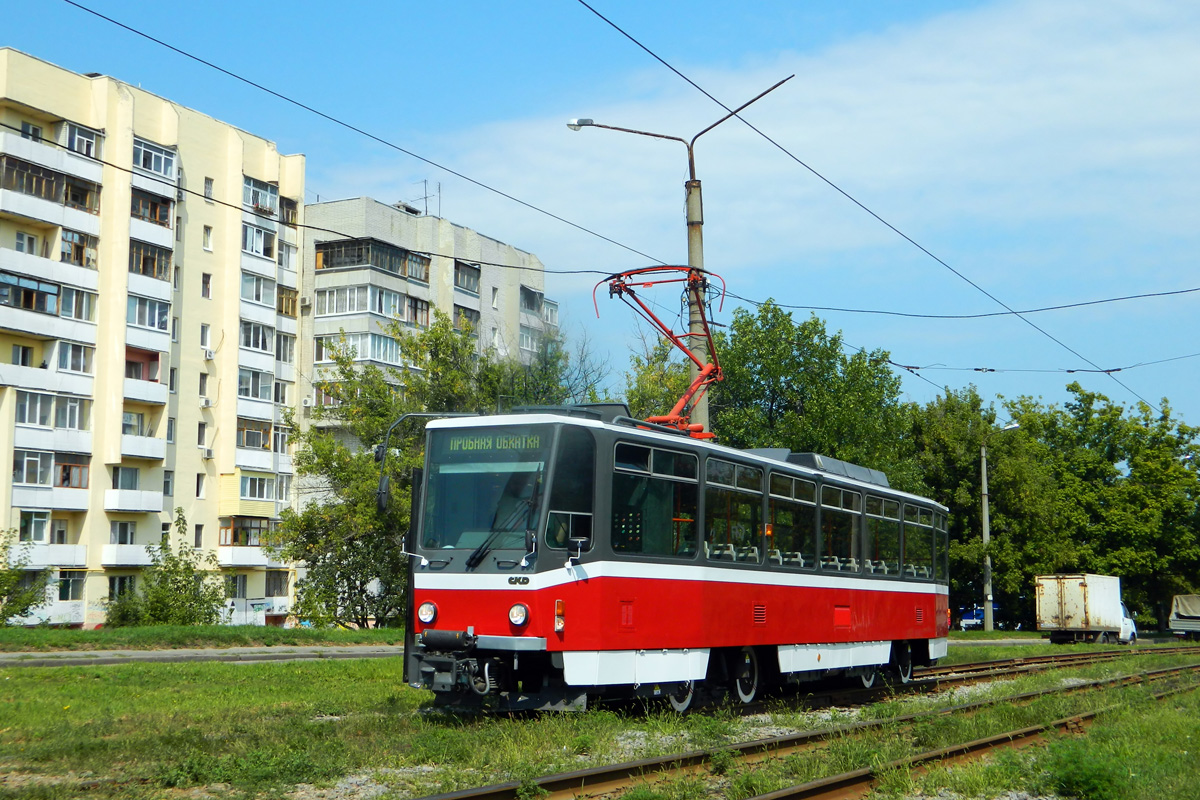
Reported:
(856, 202)
(360, 131)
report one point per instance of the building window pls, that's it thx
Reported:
(495, 298)
(418, 312)
(22, 355)
(149, 260)
(133, 423)
(258, 289)
(372, 253)
(287, 256)
(254, 384)
(260, 195)
(285, 348)
(550, 312)
(418, 267)
(201, 434)
(198, 540)
(277, 583)
(34, 409)
(343, 300)
(466, 277)
(174, 329)
(70, 584)
(58, 531)
(207, 240)
(27, 243)
(170, 430)
(71, 470)
(31, 131)
(283, 488)
(205, 285)
(289, 212)
(466, 319)
(279, 440)
(21, 176)
(237, 586)
(119, 585)
(281, 392)
(528, 340)
(172, 376)
(286, 301)
(73, 413)
(531, 301)
(387, 302)
(31, 467)
(168, 482)
(244, 531)
(153, 158)
(82, 195)
(204, 334)
(142, 312)
(256, 336)
(208, 188)
(78, 304)
(83, 141)
(253, 433)
(75, 357)
(258, 241)
(128, 478)
(258, 488)
(122, 532)
(200, 485)
(77, 248)
(151, 208)
(29, 294)
(34, 525)
(202, 385)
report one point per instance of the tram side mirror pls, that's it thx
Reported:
(530, 541)
(578, 543)
(382, 495)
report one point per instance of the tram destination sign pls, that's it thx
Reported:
(477, 442)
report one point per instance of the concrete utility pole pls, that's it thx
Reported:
(988, 622)
(695, 242)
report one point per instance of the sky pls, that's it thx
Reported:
(938, 158)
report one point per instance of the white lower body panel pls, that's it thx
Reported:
(809, 657)
(617, 667)
(938, 648)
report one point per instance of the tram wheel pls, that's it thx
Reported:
(868, 678)
(748, 680)
(682, 698)
(902, 661)
(1103, 639)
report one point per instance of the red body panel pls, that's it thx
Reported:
(622, 613)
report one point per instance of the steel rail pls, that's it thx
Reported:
(601, 780)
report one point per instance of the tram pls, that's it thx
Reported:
(562, 556)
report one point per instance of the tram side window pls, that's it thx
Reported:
(571, 492)
(733, 516)
(941, 562)
(882, 556)
(918, 542)
(654, 499)
(840, 526)
(792, 523)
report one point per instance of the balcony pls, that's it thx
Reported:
(146, 391)
(60, 440)
(134, 500)
(47, 269)
(46, 380)
(254, 458)
(151, 232)
(63, 499)
(242, 556)
(51, 156)
(42, 556)
(50, 211)
(56, 612)
(125, 555)
(150, 447)
(48, 325)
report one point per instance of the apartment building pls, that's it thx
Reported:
(370, 263)
(149, 297)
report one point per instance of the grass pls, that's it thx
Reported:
(243, 730)
(168, 637)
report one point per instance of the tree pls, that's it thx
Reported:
(179, 587)
(658, 377)
(793, 385)
(22, 590)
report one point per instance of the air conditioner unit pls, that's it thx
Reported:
(208, 453)
(306, 402)
(205, 402)
(209, 355)
(306, 302)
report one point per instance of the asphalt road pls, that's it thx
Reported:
(67, 658)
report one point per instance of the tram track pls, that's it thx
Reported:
(611, 780)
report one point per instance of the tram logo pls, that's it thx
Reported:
(518, 580)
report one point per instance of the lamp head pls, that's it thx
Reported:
(576, 124)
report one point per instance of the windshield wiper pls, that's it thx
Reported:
(523, 508)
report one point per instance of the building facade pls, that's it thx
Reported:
(149, 300)
(370, 263)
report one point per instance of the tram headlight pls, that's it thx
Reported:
(518, 614)
(427, 612)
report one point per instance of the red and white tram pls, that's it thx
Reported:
(562, 555)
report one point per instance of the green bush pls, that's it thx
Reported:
(1079, 769)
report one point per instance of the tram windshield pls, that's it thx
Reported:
(484, 487)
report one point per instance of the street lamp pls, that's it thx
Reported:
(695, 223)
(987, 532)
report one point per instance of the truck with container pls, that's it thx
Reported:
(1185, 616)
(1083, 608)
